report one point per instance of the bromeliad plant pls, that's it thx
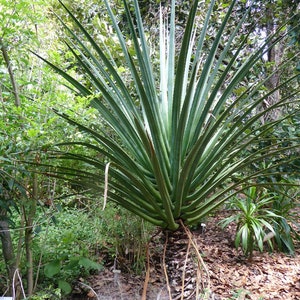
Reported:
(175, 137)
(254, 220)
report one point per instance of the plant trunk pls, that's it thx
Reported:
(7, 246)
(29, 217)
(29, 260)
(179, 263)
(9, 256)
(180, 266)
(274, 56)
(11, 73)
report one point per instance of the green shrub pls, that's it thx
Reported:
(77, 241)
(66, 248)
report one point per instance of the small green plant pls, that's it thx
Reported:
(49, 293)
(239, 294)
(287, 226)
(58, 269)
(254, 220)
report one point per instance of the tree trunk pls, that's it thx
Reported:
(180, 264)
(7, 247)
(11, 73)
(29, 217)
(29, 260)
(8, 255)
(274, 56)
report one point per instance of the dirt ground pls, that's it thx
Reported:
(231, 276)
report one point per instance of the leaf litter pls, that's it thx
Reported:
(269, 276)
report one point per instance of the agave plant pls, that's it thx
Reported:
(179, 135)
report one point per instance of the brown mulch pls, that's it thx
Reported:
(269, 275)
